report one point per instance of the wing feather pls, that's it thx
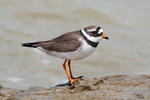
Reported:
(65, 43)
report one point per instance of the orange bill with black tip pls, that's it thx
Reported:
(104, 37)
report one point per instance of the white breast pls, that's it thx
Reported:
(83, 51)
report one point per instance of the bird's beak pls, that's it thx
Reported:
(104, 37)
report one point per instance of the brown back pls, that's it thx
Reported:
(65, 43)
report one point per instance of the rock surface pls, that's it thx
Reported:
(117, 87)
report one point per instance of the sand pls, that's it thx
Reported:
(116, 87)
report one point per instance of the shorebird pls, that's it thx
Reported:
(69, 46)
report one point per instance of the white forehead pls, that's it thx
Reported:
(100, 31)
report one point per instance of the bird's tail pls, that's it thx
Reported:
(33, 44)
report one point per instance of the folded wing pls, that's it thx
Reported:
(65, 43)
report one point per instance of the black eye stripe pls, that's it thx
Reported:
(98, 28)
(93, 44)
(94, 32)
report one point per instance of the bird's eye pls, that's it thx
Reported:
(101, 33)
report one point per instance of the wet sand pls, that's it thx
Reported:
(117, 87)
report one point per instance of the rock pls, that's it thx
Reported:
(117, 87)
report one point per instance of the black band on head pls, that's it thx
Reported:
(98, 28)
(93, 44)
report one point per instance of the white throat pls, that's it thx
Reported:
(91, 38)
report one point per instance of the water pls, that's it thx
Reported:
(125, 22)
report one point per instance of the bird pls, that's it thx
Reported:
(75, 45)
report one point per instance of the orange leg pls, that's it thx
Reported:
(69, 65)
(69, 78)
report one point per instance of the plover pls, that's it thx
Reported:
(74, 45)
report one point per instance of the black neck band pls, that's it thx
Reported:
(93, 44)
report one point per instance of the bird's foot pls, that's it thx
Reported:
(74, 79)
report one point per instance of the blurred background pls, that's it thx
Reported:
(125, 22)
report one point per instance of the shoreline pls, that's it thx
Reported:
(114, 87)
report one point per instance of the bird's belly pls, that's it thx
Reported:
(83, 51)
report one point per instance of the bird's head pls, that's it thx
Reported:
(94, 33)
